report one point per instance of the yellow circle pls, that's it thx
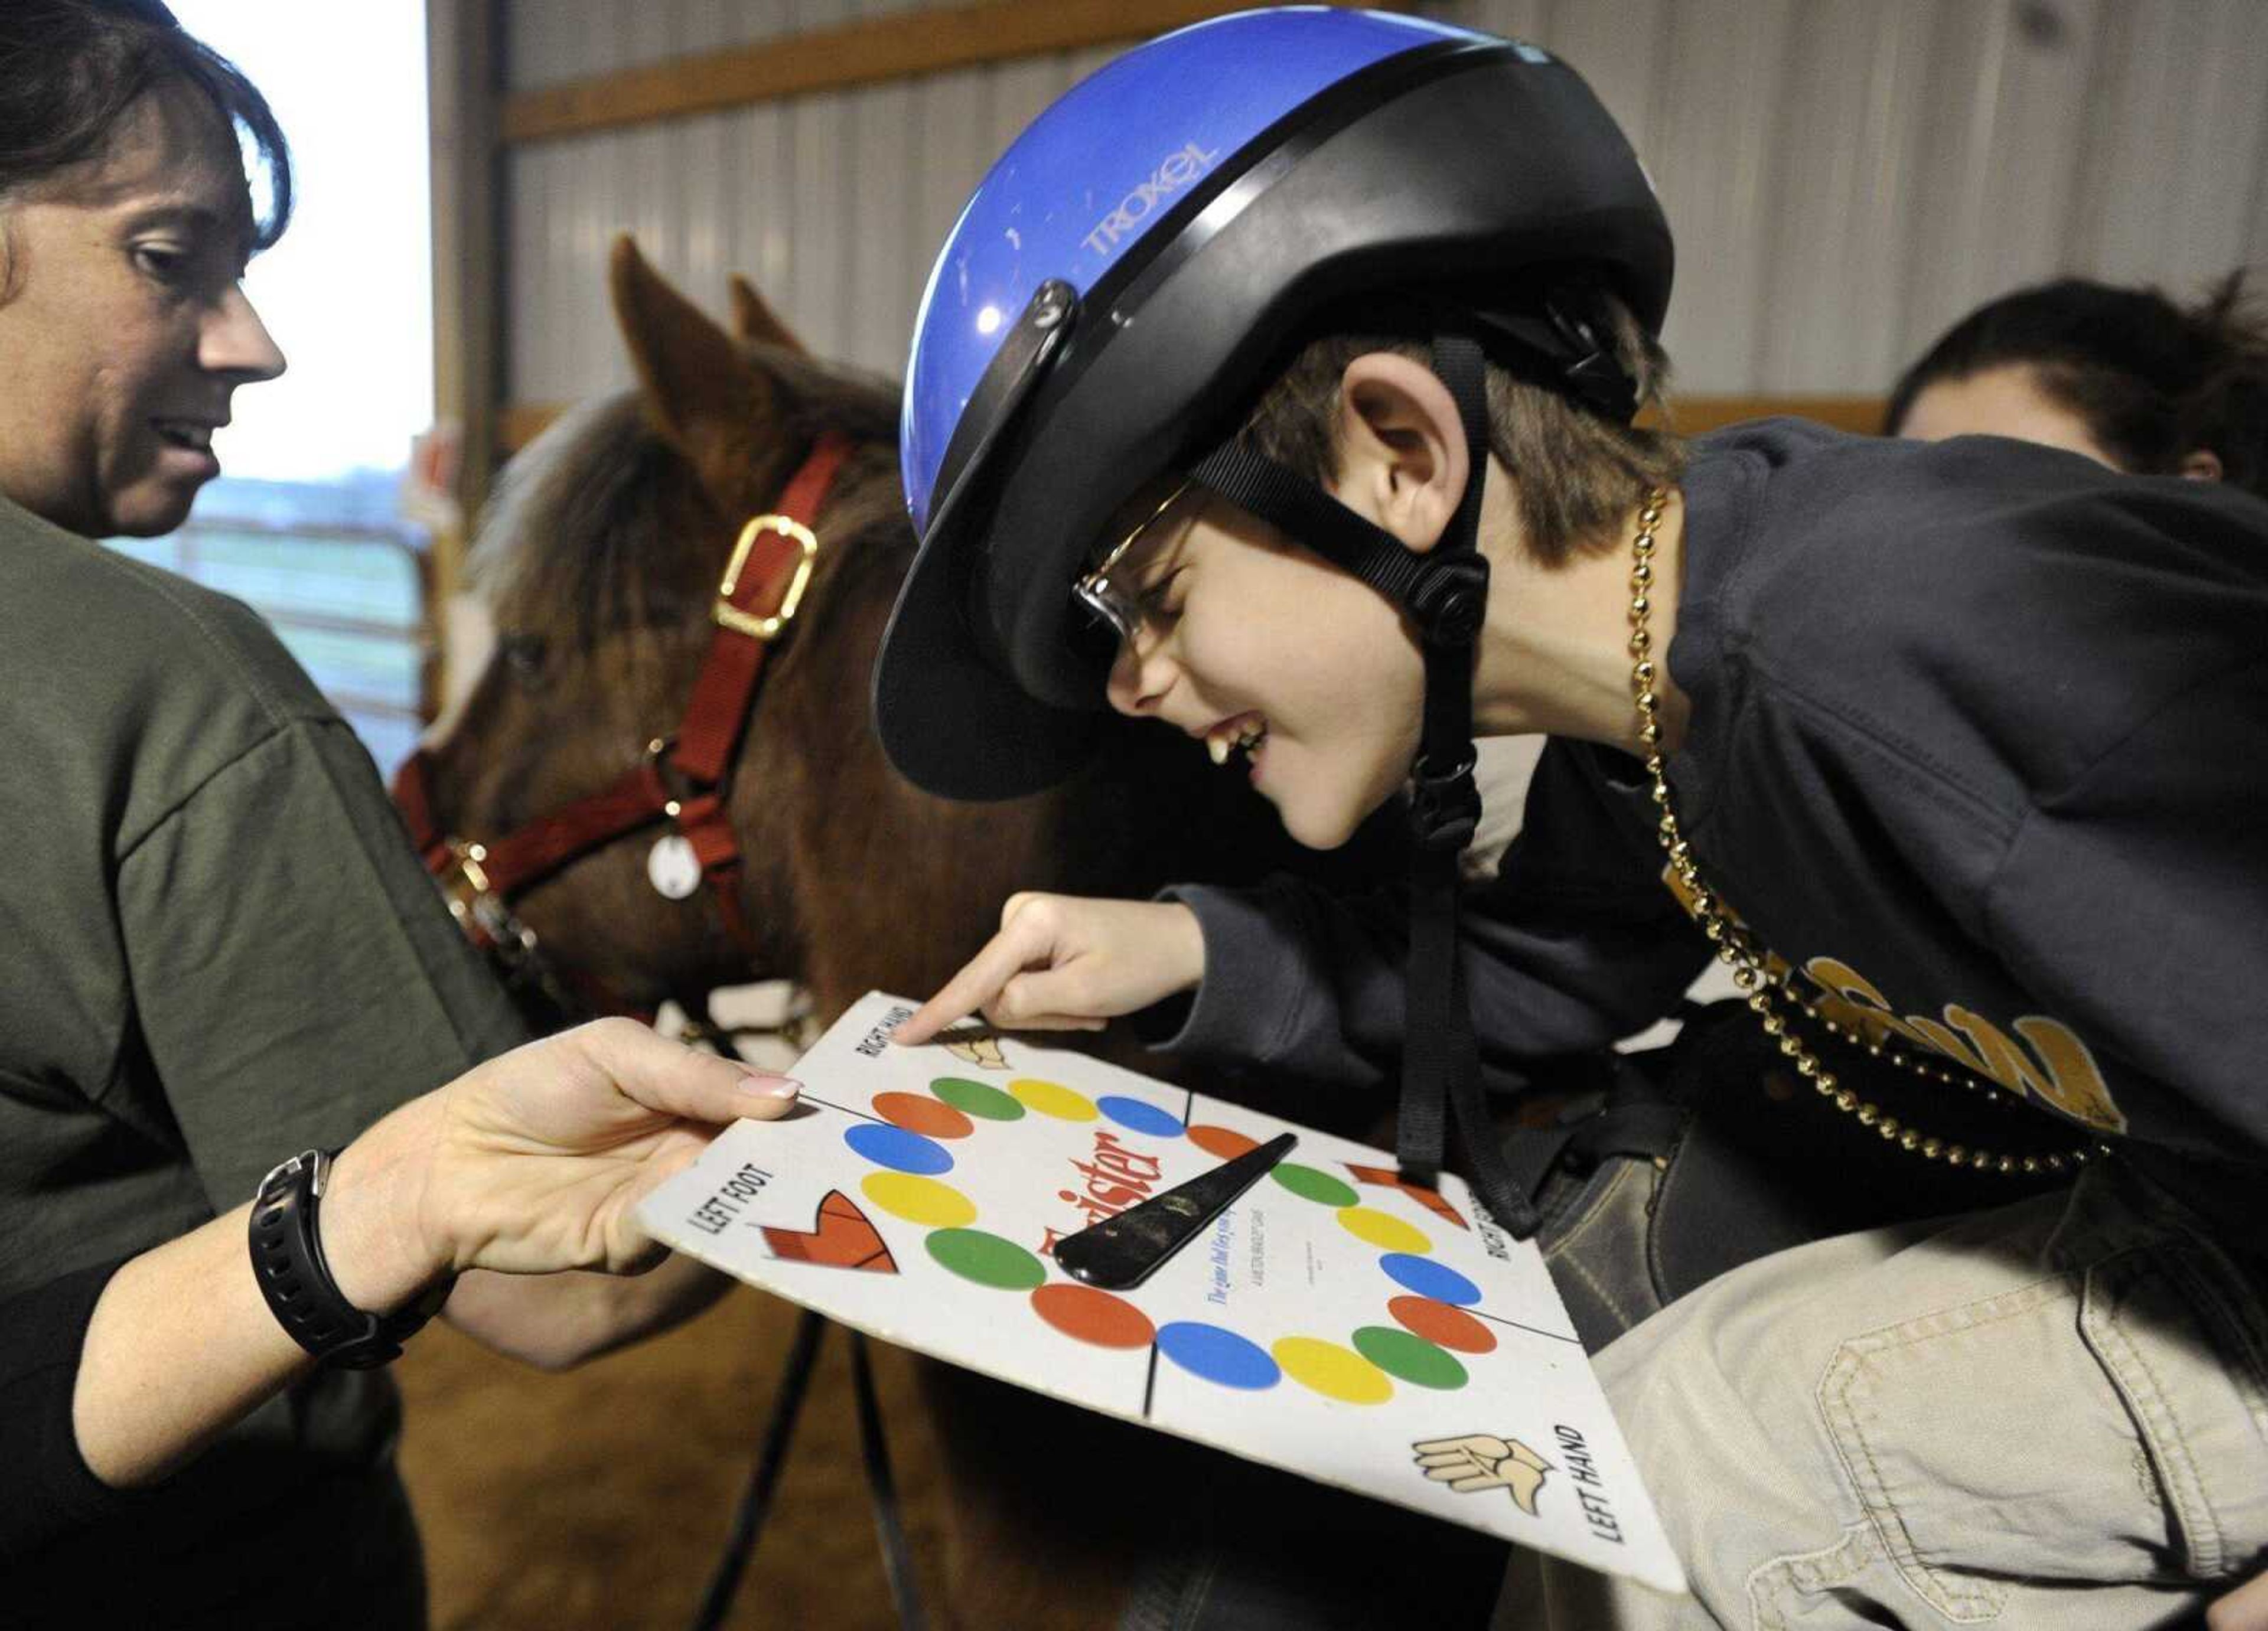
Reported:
(1383, 1230)
(1052, 1098)
(1333, 1371)
(919, 1200)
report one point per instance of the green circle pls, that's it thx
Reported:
(976, 1098)
(1412, 1358)
(1309, 1185)
(988, 1259)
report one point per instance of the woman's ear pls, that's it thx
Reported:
(2201, 463)
(1401, 447)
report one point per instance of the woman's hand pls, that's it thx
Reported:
(534, 1161)
(1066, 962)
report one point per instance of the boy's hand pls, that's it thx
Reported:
(1065, 963)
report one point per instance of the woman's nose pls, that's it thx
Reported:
(234, 341)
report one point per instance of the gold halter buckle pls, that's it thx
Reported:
(767, 628)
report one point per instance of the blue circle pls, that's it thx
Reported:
(896, 1148)
(1138, 1115)
(1214, 1355)
(1428, 1278)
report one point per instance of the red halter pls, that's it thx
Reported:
(761, 590)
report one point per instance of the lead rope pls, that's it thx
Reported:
(772, 1456)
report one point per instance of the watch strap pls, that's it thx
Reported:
(287, 1259)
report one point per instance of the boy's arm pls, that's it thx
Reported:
(1575, 943)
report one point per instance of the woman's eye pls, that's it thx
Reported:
(161, 262)
(523, 654)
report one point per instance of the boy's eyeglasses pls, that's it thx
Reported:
(1119, 603)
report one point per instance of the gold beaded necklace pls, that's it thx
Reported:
(1738, 950)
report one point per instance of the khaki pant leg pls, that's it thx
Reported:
(2053, 1415)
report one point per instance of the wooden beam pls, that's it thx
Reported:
(519, 423)
(1693, 414)
(899, 46)
(461, 60)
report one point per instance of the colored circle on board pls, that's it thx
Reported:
(1441, 1325)
(1412, 1359)
(1212, 1354)
(921, 1201)
(1222, 1144)
(1428, 1278)
(1310, 1185)
(1139, 1116)
(1052, 1098)
(1094, 1316)
(918, 1112)
(1383, 1230)
(985, 1259)
(896, 1148)
(980, 1100)
(1333, 1371)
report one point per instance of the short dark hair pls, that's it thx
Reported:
(71, 70)
(1577, 473)
(2152, 381)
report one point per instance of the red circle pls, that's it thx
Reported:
(917, 1112)
(1440, 1324)
(1094, 1316)
(1220, 1142)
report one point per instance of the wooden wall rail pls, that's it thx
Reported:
(899, 46)
(522, 422)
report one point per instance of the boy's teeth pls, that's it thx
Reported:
(1218, 746)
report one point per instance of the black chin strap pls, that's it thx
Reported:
(1444, 593)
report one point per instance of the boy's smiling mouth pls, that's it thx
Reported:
(1239, 733)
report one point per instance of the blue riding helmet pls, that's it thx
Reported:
(1135, 265)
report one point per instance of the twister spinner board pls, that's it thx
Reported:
(1334, 1322)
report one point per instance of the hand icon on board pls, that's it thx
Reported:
(1482, 1461)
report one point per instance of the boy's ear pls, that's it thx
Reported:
(2202, 464)
(1401, 446)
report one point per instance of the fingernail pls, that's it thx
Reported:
(766, 1086)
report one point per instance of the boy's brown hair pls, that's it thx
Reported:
(1577, 473)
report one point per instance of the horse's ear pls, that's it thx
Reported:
(753, 319)
(701, 391)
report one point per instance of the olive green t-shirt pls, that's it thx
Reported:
(219, 948)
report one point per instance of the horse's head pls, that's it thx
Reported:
(599, 562)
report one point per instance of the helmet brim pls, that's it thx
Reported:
(949, 720)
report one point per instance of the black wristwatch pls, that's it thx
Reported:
(287, 1259)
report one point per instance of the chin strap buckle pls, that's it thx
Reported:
(1449, 600)
(1444, 808)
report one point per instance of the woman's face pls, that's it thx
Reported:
(2005, 400)
(123, 331)
(1275, 659)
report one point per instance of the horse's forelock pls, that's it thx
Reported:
(540, 535)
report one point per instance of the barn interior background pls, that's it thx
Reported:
(1845, 178)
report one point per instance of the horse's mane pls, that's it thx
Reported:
(600, 524)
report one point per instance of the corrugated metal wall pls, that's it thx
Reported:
(1845, 177)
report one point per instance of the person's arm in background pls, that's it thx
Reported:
(2244, 1609)
(531, 1164)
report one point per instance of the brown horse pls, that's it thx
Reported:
(599, 562)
